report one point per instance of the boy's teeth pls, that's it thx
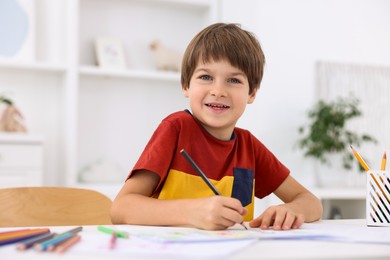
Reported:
(216, 106)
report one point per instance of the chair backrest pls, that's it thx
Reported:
(52, 206)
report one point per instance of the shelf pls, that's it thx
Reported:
(202, 4)
(340, 193)
(32, 66)
(20, 138)
(131, 74)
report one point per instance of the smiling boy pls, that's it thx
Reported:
(221, 72)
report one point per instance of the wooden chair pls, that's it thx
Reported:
(52, 206)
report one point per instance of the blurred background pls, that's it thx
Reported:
(92, 79)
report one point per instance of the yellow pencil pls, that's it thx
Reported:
(360, 159)
(383, 164)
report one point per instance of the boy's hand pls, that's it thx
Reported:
(279, 217)
(215, 213)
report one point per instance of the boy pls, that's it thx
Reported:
(221, 72)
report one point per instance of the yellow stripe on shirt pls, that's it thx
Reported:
(180, 185)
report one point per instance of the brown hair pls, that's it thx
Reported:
(225, 41)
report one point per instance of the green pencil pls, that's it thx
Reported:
(111, 231)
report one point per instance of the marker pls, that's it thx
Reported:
(204, 177)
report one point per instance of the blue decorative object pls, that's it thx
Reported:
(13, 27)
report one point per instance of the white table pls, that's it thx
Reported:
(260, 249)
(296, 249)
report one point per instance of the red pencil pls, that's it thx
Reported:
(112, 241)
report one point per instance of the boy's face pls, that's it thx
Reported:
(218, 95)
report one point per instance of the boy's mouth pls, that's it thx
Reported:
(217, 106)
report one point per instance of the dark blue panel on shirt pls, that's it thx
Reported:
(243, 185)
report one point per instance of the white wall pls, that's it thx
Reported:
(295, 34)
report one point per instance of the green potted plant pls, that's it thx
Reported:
(327, 133)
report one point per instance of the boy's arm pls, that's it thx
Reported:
(134, 205)
(300, 206)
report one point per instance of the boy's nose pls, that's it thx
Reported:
(218, 90)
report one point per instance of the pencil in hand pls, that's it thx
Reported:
(203, 176)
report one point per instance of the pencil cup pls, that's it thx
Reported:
(378, 198)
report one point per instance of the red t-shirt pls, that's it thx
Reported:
(241, 167)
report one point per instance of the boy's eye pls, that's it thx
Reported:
(234, 80)
(205, 77)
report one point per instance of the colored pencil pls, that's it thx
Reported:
(67, 244)
(53, 242)
(110, 231)
(112, 241)
(360, 159)
(14, 231)
(57, 240)
(383, 163)
(203, 176)
(20, 236)
(32, 241)
(18, 233)
(200, 172)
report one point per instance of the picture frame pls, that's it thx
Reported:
(110, 53)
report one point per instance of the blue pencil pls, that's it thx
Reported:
(58, 239)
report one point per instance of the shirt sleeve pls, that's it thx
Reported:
(159, 151)
(270, 172)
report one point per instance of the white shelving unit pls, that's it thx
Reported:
(21, 160)
(347, 202)
(88, 114)
(116, 106)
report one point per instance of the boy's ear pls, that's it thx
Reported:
(252, 96)
(185, 91)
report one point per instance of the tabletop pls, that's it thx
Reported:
(326, 239)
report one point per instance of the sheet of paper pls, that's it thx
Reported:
(351, 233)
(186, 235)
(169, 242)
(93, 243)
